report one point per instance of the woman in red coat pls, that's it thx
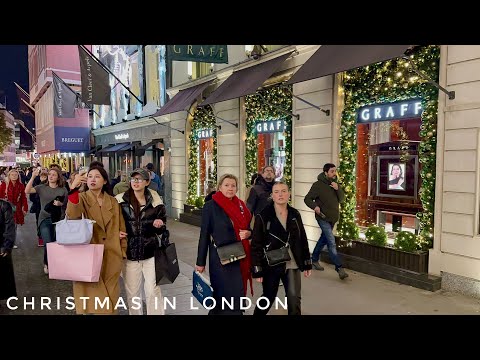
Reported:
(14, 192)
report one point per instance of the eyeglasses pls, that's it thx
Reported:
(136, 180)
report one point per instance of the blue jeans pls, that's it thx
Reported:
(328, 239)
(47, 231)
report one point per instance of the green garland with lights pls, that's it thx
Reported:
(203, 119)
(386, 82)
(258, 109)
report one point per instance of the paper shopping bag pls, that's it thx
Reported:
(202, 290)
(166, 264)
(75, 262)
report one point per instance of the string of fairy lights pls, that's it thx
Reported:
(386, 82)
(275, 99)
(203, 119)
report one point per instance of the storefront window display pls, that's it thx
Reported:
(271, 146)
(202, 154)
(269, 132)
(387, 147)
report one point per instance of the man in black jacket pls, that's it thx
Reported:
(324, 198)
(260, 193)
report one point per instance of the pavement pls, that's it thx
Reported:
(323, 293)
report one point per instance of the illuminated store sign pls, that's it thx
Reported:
(205, 133)
(271, 126)
(409, 109)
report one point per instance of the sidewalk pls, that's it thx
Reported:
(323, 293)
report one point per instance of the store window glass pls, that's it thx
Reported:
(271, 146)
(388, 168)
(205, 163)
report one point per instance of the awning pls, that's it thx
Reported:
(113, 148)
(246, 81)
(332, 59)
(127, 147)
(140, 150)
(105, 149)
(182, 100)
(94, 150)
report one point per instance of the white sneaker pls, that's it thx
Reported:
(45, 269)
(15, 246)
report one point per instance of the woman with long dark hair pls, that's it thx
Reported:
(145, 217)
(109, 229)
(49, 192)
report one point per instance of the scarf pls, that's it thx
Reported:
(238, 213)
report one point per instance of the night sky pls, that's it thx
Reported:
(13, 67)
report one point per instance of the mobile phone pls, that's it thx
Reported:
(60, 198)
(82, 170)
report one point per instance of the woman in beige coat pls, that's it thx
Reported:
(109, 229)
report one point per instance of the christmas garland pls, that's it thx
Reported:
(203, 119)
(387, 82)
(258, 109)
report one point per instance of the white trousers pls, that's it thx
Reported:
(133, 272)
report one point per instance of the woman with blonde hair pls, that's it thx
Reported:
(225, 220)
(13, 191)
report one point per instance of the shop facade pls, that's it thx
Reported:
(123, 148)
(406, 153)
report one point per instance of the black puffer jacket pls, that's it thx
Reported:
(259, 196)
(262, 237)
(141, 239)
(7, 227)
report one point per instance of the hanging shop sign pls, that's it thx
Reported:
(205, 133)
(198, 53)
(409, 109)
(270, 126)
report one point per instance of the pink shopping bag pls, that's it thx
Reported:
(75, 262)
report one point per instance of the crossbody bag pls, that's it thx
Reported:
(277, 256)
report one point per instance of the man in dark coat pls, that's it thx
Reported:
(260, 193)
(324, 198)
(7, 241)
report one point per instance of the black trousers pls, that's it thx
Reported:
(292, 282)
(7, 278)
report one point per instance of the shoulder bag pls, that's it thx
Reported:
(277, 256)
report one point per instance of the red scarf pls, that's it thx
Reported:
(238, 213)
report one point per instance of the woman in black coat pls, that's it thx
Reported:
(145, 218)
(280, 225)
(225, 220)
(7, 240)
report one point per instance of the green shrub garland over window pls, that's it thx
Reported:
(203, 119)
(387, 82)
(258, 110)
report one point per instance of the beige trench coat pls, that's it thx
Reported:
(106, 230)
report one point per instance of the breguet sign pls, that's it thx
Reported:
(270, 126)
(409, 109)
(199, 53)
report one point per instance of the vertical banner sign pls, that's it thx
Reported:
(95, 80)
(64, 99)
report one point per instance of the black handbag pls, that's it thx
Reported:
(231, 252)
(277, 256)
(166, 261)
